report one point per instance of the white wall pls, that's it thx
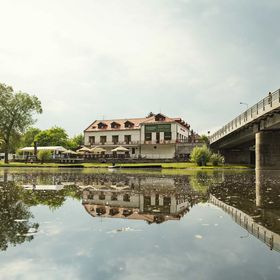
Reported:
(135, 135)
(161, 151)
(183, 132)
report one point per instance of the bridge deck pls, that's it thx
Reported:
(269, 104)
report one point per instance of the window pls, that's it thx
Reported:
(167, 135)
(126, 197)
(128, 124)
(147, 200)
(103, 139)
(166, 201)
(115, 139)
(148, 136)
(133, 151)
(91, 139)
(115, 125)
(101, 125)
(160, 118)
(102, 196)
(127, 139)
(114, 197)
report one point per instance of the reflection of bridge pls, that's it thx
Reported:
(270, 238)
(253, 135)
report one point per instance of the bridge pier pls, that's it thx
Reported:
(268, 149)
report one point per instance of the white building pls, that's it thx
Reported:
(29, 151)
(156, 136)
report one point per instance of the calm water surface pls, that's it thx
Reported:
(87, 224)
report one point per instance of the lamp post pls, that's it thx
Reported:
(243, 103)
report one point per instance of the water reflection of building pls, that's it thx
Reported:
(154, 200)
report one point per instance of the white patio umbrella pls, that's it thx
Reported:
(97, 150)
(84, 149)
(120, 149)
(69, 152)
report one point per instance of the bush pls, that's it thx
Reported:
(200, 155)
(44, 155)
(217, 159)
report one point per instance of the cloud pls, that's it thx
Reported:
(194, 59)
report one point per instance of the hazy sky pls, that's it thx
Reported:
(90, 59)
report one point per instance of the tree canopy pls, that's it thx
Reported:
(16, 111)
(55, 136)
(28, 137)
(75, 142)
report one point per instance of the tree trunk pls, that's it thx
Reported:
(5, 177)
(6, 150)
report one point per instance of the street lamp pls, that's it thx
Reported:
(243, 103)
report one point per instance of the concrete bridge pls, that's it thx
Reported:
(254, 136)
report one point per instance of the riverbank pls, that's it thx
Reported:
(173, 165)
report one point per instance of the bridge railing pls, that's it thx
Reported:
(267, 104)
(267, 236)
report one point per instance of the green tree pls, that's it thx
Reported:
(1, 142)
(201, 155)
(217, 159)
(16, 111)
(27, 139)
(205, 139)
(75, 142)
(55, 136)
(44, 155)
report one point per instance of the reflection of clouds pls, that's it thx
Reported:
(15, 268)
(83, 253)
(52, 230)
(32, 269)
(152, 267)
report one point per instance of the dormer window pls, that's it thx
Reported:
(115, 125)
(128, 124)
(102, 125)
(159, 118)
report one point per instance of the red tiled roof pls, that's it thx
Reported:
(136, 121)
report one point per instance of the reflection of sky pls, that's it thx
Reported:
(205, 244)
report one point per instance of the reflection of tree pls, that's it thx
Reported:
(52, 198)
(201, 181)
(15, 227)
(12, 209)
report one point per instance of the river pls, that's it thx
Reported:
(96, 224)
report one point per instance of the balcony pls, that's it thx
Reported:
(119, 143)
(161, 142)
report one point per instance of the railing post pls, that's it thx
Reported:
(271, 242)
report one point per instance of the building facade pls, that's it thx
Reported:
(156, 136)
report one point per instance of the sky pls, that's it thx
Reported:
(90, 59)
